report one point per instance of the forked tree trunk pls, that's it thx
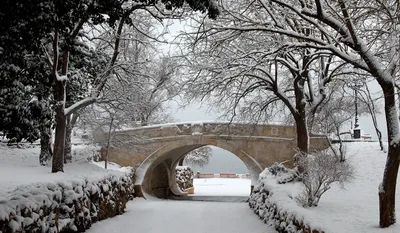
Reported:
(387, 189)
(45, 145)
(59, 97)
(300, 115)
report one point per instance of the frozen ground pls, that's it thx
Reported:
(20, 166)
(183, 216)
(221, 187)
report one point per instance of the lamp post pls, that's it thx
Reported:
(356, 130)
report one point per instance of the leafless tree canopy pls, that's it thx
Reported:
(293, 49)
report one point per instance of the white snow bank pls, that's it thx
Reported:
(32, 199)
(354, 209)
(20, 167)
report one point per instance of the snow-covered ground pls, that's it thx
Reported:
(20, 167)
(353, 209)
(221, 187)
(183, 216)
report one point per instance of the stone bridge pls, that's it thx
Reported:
(156, 150)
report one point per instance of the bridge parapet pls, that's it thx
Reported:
(212, 128)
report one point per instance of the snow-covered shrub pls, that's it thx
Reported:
(321, 169)
(65, 206)
(283, 174)
(184, 177)
(277, 168)
(86, 153)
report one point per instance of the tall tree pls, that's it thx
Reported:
(69, 21)
(361, 33)
(246, 71)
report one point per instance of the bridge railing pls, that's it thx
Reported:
(213, 128)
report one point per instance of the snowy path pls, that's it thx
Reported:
(183, 216)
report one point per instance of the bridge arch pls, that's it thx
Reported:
(155, 150)
(156, 174)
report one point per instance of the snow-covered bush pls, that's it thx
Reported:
(283, 174)
(65, 206)
(184, 177)
(321, 169)
(277, 168)
(86, 153)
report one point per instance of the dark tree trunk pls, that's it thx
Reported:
(387, 189)
(378, 132)
(300, 115)
(180, 163)
(303, 140)
(71, 121)
(67, 149)
(60, 121)
(59, 97)
(45, 145)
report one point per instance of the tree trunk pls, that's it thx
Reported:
(71, 121)
(45, 145)
(387, 189)
(180, 163)
(106, 157)
(67, 149)
(303, 140)
(60, 98)
(372, 111)
(378, 132)
(59, 140)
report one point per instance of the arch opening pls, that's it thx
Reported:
(225, 175)
(156, 175)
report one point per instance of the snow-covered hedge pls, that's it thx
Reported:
(184, 177)
(264, 202)
(65, 206)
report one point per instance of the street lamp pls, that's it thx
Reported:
(356, 131)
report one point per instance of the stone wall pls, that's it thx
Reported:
(66, 206)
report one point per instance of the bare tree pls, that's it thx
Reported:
(111, 113)
(138, 63)
(337, 109)
(68, 27)
(370, 102)
(321, 169)
(197, 157)
(361, 33)
(249, 74)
